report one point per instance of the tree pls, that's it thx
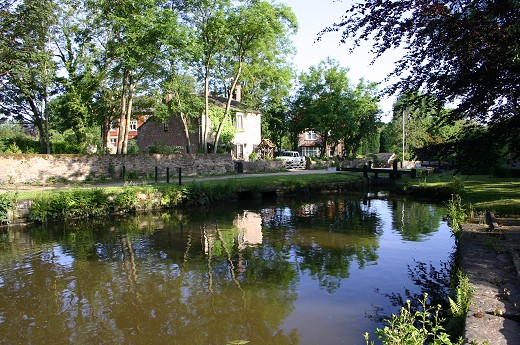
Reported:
(257, 28)
(235, 41)
(82, 69)
(460, 52)
(207, 18)
(181, 101)
(328, 104)
(136, 32)
(365, 124)
(26, 66)
(421, 128)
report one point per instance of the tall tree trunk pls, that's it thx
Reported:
(205, 129)
(228, 106)
(131, 86)
(186, 132)
(122, 116)
(39, 123)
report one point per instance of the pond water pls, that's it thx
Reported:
(309, 271)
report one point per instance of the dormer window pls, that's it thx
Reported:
(311, 135)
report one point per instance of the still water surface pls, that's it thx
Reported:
(313, 271)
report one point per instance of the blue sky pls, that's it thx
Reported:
(315, 15)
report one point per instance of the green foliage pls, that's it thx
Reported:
(328, 104)
(76, 203)
(133, 148)
(456, 185)
(7, 203)
(253, 156)
(82, 203)
(456, 213)
(229, 130)
(164, 149)
(172, 196)
(423, 326)
(454, 50)
(460, 303)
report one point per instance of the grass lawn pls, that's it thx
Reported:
(481, 192)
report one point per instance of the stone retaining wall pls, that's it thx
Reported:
(263, 166)
(24, 168)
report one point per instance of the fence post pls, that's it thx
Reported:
(365, 171)
(124, 173)
(167, 175)
(180, 176)
(393, 175)
(156, 174)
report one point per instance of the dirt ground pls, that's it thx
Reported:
(491, 260)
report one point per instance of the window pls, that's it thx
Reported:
(240, 151)
(113, 142)
(166, 128)
(133, 125)
(113, 125)
(310, 151)
(240, 122)
(311, 135)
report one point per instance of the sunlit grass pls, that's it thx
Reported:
(501, 195)
(244, 182)
(483, 193)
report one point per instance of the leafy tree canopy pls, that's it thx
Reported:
(463, 52)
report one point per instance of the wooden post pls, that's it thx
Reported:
(156, 174)
(123, 172)
(180, 176)
(167, 175)
(393, 175)
(365, 171)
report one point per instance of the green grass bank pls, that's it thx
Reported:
(478, 193)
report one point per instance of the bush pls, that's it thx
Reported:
(253, 156)
(164, 149)
(7, 203)
(456, 214)
(410, 327)
(78, 203)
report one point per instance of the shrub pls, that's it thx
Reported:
(253, 156)
(172, 197)
(70, 204)
(456, 214)
(410, 327)
(7, 203)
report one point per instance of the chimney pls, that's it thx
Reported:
(238, 93)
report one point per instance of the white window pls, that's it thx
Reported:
(311, 135)
(113, 142)
(113, 125)
(133, 125)
(310, 151)
(240, 122)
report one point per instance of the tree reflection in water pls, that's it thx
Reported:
(202, 276)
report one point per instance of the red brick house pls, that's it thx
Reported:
(171, 134)
(311, 142)
(135, 124)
